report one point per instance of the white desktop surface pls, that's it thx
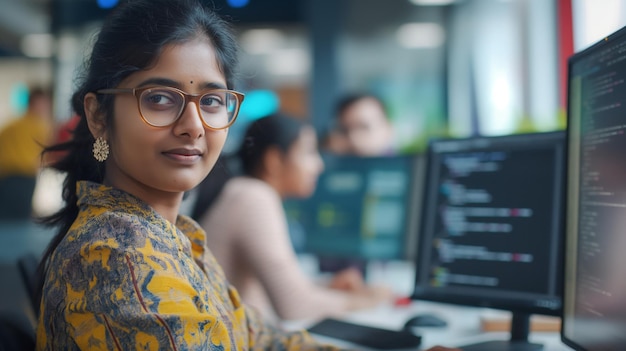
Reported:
(463, 326)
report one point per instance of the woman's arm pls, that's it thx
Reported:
(262, 239)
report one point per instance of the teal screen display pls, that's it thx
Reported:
(359, 209)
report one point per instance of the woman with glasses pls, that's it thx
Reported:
(125, 270)
(278, 159)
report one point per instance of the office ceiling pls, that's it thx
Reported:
(19, 18)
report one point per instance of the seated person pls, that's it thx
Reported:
(362, 128)
(125, 270)
(21, 143)
(247, 226)
(363, 123)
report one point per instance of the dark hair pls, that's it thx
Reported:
(274, 131)
(348, 100)
(130, 40)
(277, 130)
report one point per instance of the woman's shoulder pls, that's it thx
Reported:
(117, 229)
(245, 197)
(95, 232)
(250, 189)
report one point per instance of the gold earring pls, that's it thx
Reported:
(100, 149)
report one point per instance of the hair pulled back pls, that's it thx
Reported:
(274, 131)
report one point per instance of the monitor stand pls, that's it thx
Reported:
(520, 327)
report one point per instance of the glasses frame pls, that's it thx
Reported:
(187, 98)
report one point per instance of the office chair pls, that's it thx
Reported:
(15, 333)
(27, 265)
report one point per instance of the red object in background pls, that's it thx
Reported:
(566, 45)
(64, 133)
(66, 129)
(403, 301)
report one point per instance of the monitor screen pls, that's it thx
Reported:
(491, 231)
(594, 314)
(359, 208)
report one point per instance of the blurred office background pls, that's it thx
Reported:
(444, 67)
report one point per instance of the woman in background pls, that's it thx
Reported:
(248, 232)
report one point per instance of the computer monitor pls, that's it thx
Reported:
(359, 209)
(491, 231)
(594, 310)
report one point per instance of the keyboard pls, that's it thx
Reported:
(371, 337)
(503, 346)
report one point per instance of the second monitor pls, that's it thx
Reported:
(359, 210)
(491, 232)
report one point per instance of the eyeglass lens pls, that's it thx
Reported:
(161, 107)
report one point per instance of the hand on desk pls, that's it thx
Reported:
(351, 280)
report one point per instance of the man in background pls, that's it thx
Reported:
(363, 127)
(21, 143)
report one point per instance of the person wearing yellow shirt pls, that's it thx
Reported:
(21, 143)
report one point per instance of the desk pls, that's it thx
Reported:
(463, 326)
(464, 323)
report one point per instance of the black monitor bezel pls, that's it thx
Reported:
(504, 303)
(570, 269)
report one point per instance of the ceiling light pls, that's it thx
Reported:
(262, 41)
(107, 4)
(432, 2)
(37, 45)
(291, 62)
(238, 3)
(420, 35)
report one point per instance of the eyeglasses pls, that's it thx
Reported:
(162, 106)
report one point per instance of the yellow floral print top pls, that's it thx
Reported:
(124, 278)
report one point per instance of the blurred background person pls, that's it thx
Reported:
(21, 143)
(247, 228)
(363, 126)
(334, 141)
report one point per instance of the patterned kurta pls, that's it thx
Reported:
(126, 278)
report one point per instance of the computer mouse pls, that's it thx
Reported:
(425, 320)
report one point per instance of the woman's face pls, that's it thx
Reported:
(149, 162)
(302, 165)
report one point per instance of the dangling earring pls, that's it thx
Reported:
(100, 149)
